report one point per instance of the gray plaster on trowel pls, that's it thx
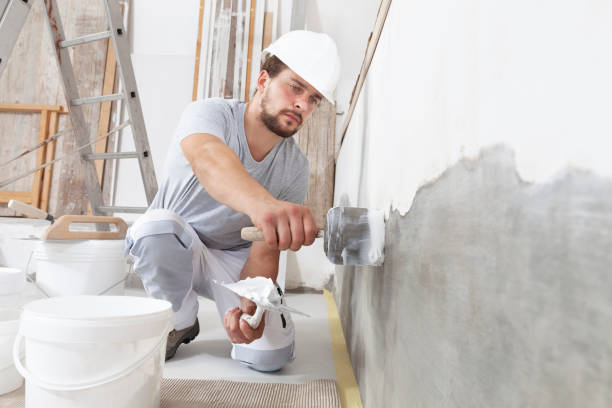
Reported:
(494, 293)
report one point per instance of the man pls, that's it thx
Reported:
(233, 165)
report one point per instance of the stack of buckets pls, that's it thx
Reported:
(12, 285)
(76, 349)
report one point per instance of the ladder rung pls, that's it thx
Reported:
(108, 156)
(96, 99)
(85, 39)
(119, 209)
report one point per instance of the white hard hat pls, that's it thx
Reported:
(313, 56)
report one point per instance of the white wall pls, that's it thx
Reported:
(349, 23)
(449, 79)
(164, 38)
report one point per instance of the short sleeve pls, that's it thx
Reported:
(296, 190)
(204, 116)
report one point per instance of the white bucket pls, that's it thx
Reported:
(93, 351)
(10, 379)
(81, 267)
(12, 284)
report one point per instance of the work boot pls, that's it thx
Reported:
(178, 337)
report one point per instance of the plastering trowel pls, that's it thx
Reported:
(351, 236)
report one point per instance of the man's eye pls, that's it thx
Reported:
(293, 87)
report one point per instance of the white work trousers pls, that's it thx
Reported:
(176, 266)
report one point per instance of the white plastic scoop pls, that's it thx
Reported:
(264, 294)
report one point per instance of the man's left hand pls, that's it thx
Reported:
(239, 330)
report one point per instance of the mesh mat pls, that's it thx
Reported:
(184, 393)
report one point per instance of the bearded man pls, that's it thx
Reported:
(232, 165)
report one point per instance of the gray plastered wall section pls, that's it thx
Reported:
(494, 293)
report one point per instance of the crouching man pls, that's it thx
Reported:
(232, 165)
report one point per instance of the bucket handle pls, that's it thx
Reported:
(29, 376)
(61, 228)
(7, 365)
(31, 278)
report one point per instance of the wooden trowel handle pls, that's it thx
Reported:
(61, 228)
(253, 234)
(29, 210)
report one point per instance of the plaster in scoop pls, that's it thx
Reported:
(264, 294)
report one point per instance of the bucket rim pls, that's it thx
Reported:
(94, 319)
(44, 308)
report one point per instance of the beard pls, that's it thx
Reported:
(274, 122)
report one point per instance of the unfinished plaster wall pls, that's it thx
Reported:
(484, 132)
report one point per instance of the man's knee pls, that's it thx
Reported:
(163, 264)
(264, 360)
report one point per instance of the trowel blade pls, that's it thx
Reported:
(354, 236)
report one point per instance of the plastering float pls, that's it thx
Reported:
(351, 236)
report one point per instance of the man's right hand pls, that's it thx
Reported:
(284, 225)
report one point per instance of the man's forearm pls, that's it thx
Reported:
(222, 174)
(262, 261)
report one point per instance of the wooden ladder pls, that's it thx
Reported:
(13, 14)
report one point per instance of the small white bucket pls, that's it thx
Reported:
(12, 284)
(10, 379)
(81, 267)
(93, 351)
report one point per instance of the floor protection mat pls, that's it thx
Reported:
(185, 393)
(190, 393)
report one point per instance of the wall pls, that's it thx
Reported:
(32, 77)
(164, 40)
(483, 132)
(349, 23)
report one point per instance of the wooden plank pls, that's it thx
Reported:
(228, 88)
(106, 107)
(381, 17)
(316, 140)
(268, 29)
(40, 157)
(247, 87)
(23, 196)
(30, 108)
(50, 155)
(196, 71)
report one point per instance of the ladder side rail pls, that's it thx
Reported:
(132, 98)
(12, 19)
(77, 117)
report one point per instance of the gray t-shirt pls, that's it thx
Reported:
(283, 172)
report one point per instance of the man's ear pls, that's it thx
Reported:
(262, 80)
